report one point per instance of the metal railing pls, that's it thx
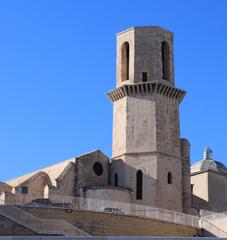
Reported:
(98, 205)
(215, 216)
(205, 213)
(123, 208)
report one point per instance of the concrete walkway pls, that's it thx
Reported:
(38, 225)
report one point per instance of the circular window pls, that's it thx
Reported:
(98, 169)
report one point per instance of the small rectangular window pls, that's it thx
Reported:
(24, 189)
(144, 76)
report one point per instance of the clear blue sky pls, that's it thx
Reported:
(57, 61)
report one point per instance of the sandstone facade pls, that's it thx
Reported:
(146, 132)
(209, 185)
(150, 163)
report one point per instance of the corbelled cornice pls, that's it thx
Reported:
(146, 88)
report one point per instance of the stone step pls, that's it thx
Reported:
(40, 226)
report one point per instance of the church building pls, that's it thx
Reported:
(150, 163)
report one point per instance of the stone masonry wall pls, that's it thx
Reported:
(104, 224)
(10, 228)
(145, 54)
(35, 185)
(85, 175)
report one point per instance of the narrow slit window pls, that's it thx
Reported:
(116, 180)
(144, 76)
(165, 61)
(139, 185)
(169, 178)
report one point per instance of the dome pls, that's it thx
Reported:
(208, 163)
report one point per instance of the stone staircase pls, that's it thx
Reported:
(216, 224)
(38, 225)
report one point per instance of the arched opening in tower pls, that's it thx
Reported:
(125, 54)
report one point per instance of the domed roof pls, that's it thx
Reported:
(208, 163)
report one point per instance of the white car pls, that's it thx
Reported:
(112, 210)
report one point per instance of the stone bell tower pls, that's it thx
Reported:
(146, 150)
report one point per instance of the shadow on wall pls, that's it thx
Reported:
(199, 203)
(142, 186)
(150, 185)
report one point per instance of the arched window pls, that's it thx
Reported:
(115, 179)
(125, 51)
(139, 184)
(165, 61)
(46, 191)
(169, 178)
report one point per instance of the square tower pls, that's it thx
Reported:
(146, 149)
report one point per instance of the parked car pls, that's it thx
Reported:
(113, 210)
(44, 202)
(40, 202)
(62, 205)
